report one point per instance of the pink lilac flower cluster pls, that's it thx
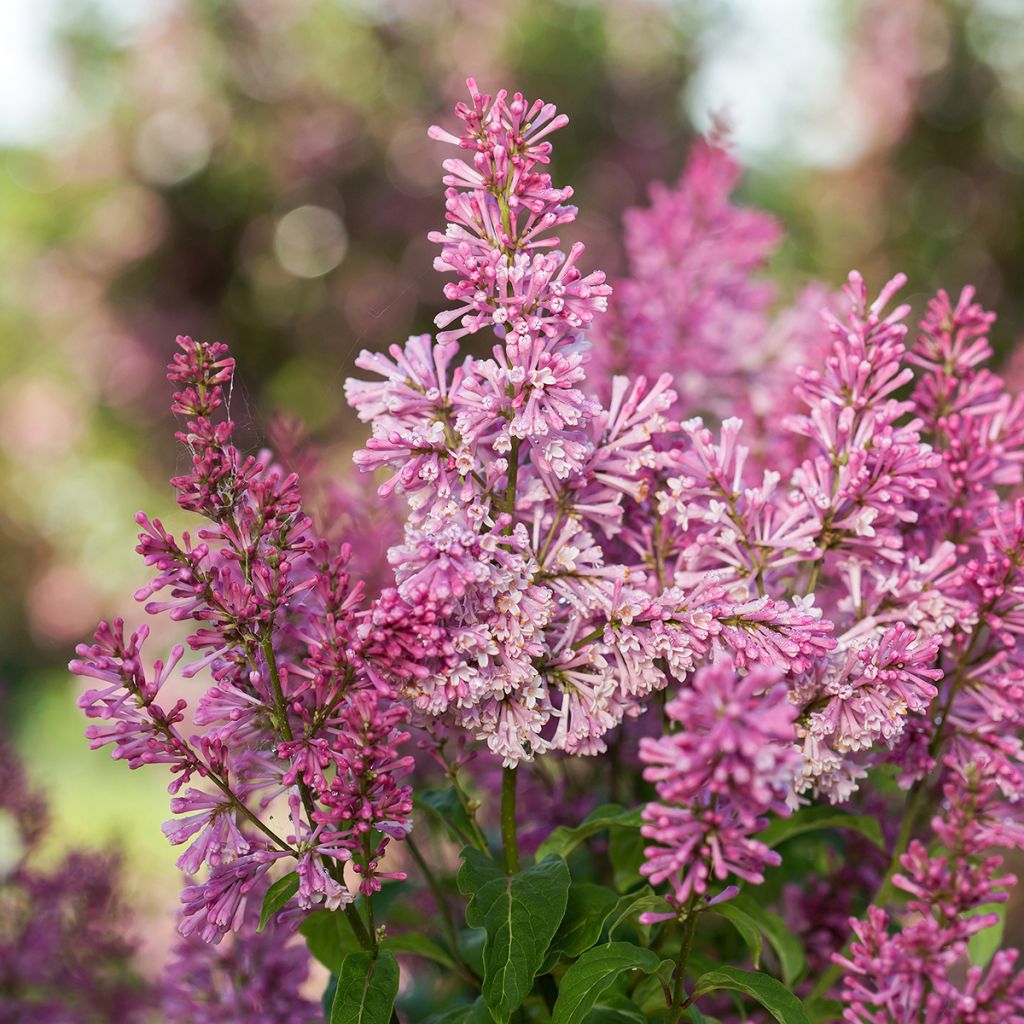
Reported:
(695, 300)
(823, 566)
(297, 714)
(902, 976)
(731, 759)
(526, 570)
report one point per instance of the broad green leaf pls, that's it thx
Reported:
(445, 805)
(367, 987)
(329, 938)
(700, 964)
(471, 949)
(614, 1008)
(564, 840)
(473, 1013)
(631, 905)
(786, 945)
(771, 994)
(745, 926)
(699, 1018)
(520, 914)
(811, 819)
(983, 945)
(593, 974)
(649, 994)
(586, 911)
(626, 852)
(418, 945)
(277, 896)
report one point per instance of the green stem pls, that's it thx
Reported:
(358, 928)
(679, 974)
(447, 924)
(509, 839)
(509, 504)
(478, 839)
(812, 582)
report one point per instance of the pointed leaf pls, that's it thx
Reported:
(633, 904)
(564, 840)
(699, 1018)
(473, 1013)
(745, 926)
(471, 949)
(367, 987)
(594, 973)
(626, 852)
(586, 911)
(771, 994)
(615, 1008)
(277, 896)
(786, 945)
(414, 944)
(811, 819)
(520, 914)
(445, 805)
(329, 938)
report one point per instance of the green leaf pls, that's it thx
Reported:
(586, 911)
(414, 944)
(699, 1018)
(594, 973)
(811, 819)
(471, 949)
(277, 896)
(367, 987)
(635, 903)
(473, 1013)
(771, 994)
(983, 945)
(786, 945)
(329, 937)
(745, 926)
(615, 1008)
(564, 840)
(446, 806)
(649, 993)
(626, 852)
(520, 914)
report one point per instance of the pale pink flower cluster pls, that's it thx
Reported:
(528, 539)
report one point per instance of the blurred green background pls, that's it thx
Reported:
(257, 172)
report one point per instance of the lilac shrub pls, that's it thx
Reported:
(741, 580)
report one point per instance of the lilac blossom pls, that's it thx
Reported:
(732, 759)
(294, 710)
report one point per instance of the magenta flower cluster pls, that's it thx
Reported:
(731, 759)
(295, 719)
(787, 573)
